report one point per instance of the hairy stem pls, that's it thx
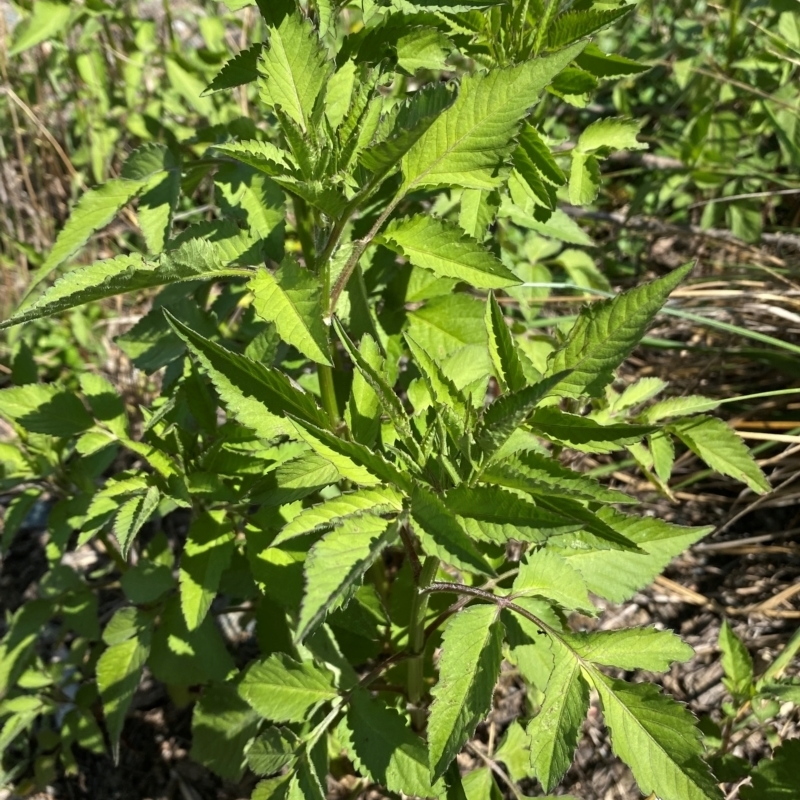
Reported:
(416, 640)
(328, 392)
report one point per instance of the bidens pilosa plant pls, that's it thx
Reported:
(368, 453)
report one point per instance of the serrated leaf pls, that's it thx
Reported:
(477, 211)
(132, 516)
(555, 730)
(363, 413)
(206, 556)
(444, 249)
(354, 461)
(380, 500)
(722, 449)
(383, 747)
(469, 143)
(294, 480)
(539, 155)
(657, 738)
(506, 413)
(281, 689)
(292, 300)
(775, 778)
(423, 48)
(411, 123)
(468, 670)
(631, 648)
(263, 156)
(294, 69)
(584, 179)
(271, 751)
(45, 408)
(605, 334)
(546, 574)
(737, 663)
(583, 433)
(503, 349)
(442, 389)
(237, 71)
(573, 25)
(46, 20)
(679, 407)
(442, 535)
(159, 199)
(336, 565)
(617, 575)
(608, 65)
(119, 670)
(492, 514)
(610, 133)
(258, 396)
(94, 210)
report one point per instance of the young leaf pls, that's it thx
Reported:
(468, 143)
(442, 389)
(294, 69)
(263, 156)
(384, 748)
(442, 535)
(657, 738)
(380, 500)
(573, 25)
(363, 413)
(555, 730)
(258, 396)
(281, 689)
(206, 556)
(132, 516)
(292, 301)
(547, 574)
(737, 663)
(503, 349)
(605, 334)
(241, 69)
(468, 670)
(336, 564)
(583, 433)
(722, 449)
(539, 155)
(631, 648)
(447, 251)
(119, 670)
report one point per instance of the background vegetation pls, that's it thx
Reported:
(84, 85)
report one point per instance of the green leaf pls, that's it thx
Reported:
(119, 670)
(610, 133)
(605, 334)
(132, 516)
(423, 48)
(539, 155)
(506, 413)
(237, 71)
(477, 211)
(679, 407)
(503, 349)
(283, 690)
(468, 144)
(444, 249)
(292, 300)
(271, 751)
(196, 259)
(631, 648)
(546, 574)
(380, 500)
(722, 449)
(336, 565)
(617, 575)
(468, 670)
(775, 778)
(294, 480)
(555, 730)
(354, 461)
(294, 69)
(384, 748)
(256, 395)
(46, 20)
(246, 193)
(573, 25)
(263, 156)
(737, 663)
(442, 535)
(584, 179)
(45, 408)
(411, 123)
(363, 413)
(584, 434)
(442, 389)
(206, 556)
(657, 738)
(222, 724)
(608, 65)
(492, 514)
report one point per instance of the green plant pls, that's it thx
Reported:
(365, 455)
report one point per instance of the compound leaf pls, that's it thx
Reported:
(546, 574)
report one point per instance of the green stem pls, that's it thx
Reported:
(416, 640)
(305, 234)
(328, 392)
